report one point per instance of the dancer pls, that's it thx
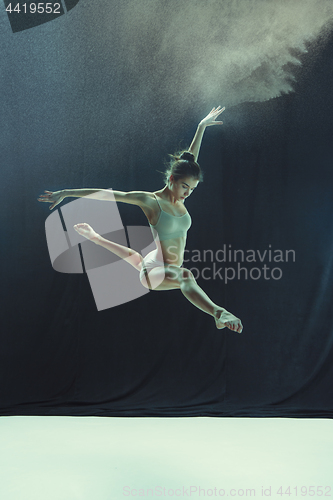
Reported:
(167, 216)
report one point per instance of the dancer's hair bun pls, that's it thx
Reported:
(183, 165)
(187, 156)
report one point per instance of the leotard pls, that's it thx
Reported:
(171, 226)
(167, 227)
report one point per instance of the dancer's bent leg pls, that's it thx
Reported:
(125, 253)
(176, 277)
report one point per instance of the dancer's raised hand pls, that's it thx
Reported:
(210, 119)
(54, 197)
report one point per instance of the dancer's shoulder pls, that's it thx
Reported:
(141, 198)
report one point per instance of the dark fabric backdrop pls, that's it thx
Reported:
(268, 185)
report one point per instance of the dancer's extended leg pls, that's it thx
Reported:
(176, 277)
(127, 254)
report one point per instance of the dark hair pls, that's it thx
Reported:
(183, 165)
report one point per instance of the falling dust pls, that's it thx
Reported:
(229, 50)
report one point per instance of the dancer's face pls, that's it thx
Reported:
(182, 188)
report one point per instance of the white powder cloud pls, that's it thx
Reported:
(230, 50)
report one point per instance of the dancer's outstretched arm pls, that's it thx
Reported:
(205, 122)
(139, 198)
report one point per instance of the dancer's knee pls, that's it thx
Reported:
(135, 259)
(187, 274)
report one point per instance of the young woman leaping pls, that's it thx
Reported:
(167, 216)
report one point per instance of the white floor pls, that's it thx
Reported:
(70, 458)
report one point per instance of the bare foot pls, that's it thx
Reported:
(225, 319)
(85, 230)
